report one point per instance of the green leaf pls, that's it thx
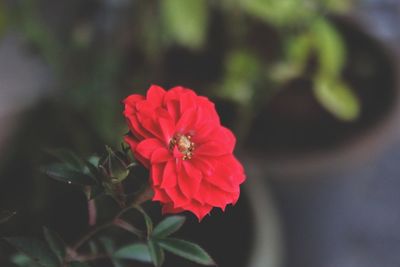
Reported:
(337, 98)
(330, 48)
(168, 226)
(147, 219)
(23, 260)
(109, 247)
(156, 253)
(67, 157)
(35, 249)
(65, 174)
(187, 250)
(185, 21)
(56, 244)
(139, 252)
(6, 215)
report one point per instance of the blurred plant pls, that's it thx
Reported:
(306, 34)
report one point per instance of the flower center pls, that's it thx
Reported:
(184, 145)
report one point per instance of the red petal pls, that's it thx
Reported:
(132, 99)
(211, 149)
(132, 142)
(189, 179)
(187, 100)
(168, 129)
(156, 173)
(186, 122)
(178, 199)
(160, 155)
(228, 175)
(198, 209)
(147, 147)
(160, 195)
(169, 178)
(155, 95)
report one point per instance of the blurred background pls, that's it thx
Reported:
(310, 87)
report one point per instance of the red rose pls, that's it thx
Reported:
(178, 136)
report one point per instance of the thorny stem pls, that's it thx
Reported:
(72, 254)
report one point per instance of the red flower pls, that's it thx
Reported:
(178, 136)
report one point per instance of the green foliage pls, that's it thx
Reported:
(242, 70)
(330, 48)
(168, 226)
(139, 252)
(56, 244)
(147, 219)
(187, 250)
(286, 13)
(280, 13)
(36, 250)
(337, 98)
(64, 173)
(185, 21)
(156, 253)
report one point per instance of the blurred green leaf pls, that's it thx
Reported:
(187, 250)
(330, 48)
(337, 98)
(56, 244)
(279, 13)
(23, 260)
(186, 21)
(298, 50)
(35, 249)
(139, 252)
(242, 69)
(168, 226)
(63, 173)
(6, 215)
(156, 253)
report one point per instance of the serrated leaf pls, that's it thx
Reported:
(55, 243)
(35, 249)
(168, 226)
(139, 252)
(337, 98)
(156, 253)
(65, 174)
(187, 250)
(185, 21)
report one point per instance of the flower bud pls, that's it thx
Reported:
(114, 167)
